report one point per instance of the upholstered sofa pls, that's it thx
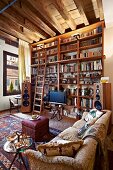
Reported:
(91, 155)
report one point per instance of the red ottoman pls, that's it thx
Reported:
(36, 129)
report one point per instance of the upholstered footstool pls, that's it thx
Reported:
(36, 129)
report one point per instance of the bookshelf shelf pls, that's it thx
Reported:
(68, 51)
(87, 97)
(68, 42)
(50, 47)
(91, 36)
(91, 46)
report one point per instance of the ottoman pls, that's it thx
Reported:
(36, 129)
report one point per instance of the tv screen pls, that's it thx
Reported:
(57, 96)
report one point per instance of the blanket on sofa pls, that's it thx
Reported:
(97, 132)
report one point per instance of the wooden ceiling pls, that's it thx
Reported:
(34, 20)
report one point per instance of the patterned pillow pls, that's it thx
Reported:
(67, 148)
(94, 113)
(82, 130)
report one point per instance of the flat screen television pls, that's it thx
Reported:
(57, 96)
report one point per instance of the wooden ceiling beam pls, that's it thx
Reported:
(89, 10)
(100, 7)
(64, 13)
(27, 12)
(42, 11)
(20, 29)
(6, 35)
(16, 17)
(12, 32)
(80, 6)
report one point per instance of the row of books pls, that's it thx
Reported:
(52, 81)
(51, 69)
(69, 39)
(68, 68)
(90, 54)
(89, 81)
(51, 51)
(68, 81)
(93, 41)
(38, 54)
(51, 44)
(33, 71)
(90, 75)
(87, 103)
(68, 75)
(39, 61)
(68, 57)
(71, 101)
(52, 59)
(92, 65)
(69, 47)
(86, 91)
(91, 32)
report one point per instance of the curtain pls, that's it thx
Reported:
(24, 61)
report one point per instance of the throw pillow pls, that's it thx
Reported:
(67, 148)
(94, 113)
(82, 130)
(70, 134)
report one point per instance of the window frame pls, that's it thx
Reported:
(5, 67)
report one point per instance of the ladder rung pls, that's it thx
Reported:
(39, 87)
(38, 93)
(36, 111)
(37, 105)
(37, 99)
(41, 75)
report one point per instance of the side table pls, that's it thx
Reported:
(17, 148)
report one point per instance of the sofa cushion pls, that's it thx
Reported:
(80, 123)
(70, 133)
(82, 130)
(61, 148)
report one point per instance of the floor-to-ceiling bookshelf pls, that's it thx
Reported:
(74, 62)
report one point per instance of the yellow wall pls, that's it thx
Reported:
(108, 51)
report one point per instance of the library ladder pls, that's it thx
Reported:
(39, 85)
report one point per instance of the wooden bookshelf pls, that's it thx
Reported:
(74, 63)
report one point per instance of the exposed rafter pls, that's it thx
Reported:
(6, 35)
(10, 31)
(16, 17)
(39, 6)
(64, 13)
(100, 7)
(32, 16)
(80, 7)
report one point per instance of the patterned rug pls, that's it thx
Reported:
(8, 125)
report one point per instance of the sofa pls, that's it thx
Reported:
(91, 155)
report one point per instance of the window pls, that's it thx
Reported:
(10, 74)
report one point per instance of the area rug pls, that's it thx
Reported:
(8, 125)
